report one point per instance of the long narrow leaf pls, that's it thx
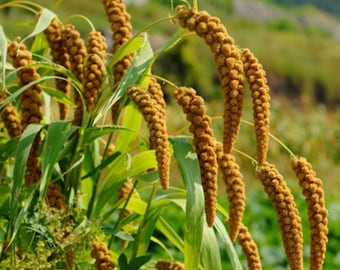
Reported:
(211, 258)
(226, 242)
(194, 220)
(22, 153)
(3, 53)
(45, 18)
(57, 134)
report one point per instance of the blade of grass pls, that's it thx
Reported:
(224, 236)
(3, 54)
(211, 258)
(22, 153)
(194, 220)
(45, 18)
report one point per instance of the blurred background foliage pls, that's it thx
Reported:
(301, 60)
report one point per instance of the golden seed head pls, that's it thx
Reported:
(169, 265)
(261, 102)
(235, 187)
(249, 248)
(204, 143)
(102, 256)
(229, 66)
(289, 221)
(317, 212)
(54, 196)
(157, 126)
(12, 121)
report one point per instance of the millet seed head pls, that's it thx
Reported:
(169, 265)
(204, 143)
(249, 248)
(261, 102)
(289, 221)
(157, 126)
(317, 212)
(235, 187)
(229, 66)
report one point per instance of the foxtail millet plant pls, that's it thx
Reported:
(94, 70)
(317, 212)
(204, 143)
(233, 180)
(229, 66)
(76, 50)
(249, 248)
(169, 265)
(257, 81)
(102, 256)
(30, 103)
(60, 57)
(286, 211)
(121, 33)
(11, 120)
(158, 131)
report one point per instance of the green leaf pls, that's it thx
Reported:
(194, 220)
(122, 262)
(131, 121)
(22, 153)
(7, 150)
(57, 134)
(137, 262)
(170, 234)
(45, 18)
(93, 133)
(58, 96)
(3, 54)
(211, 258)
(226, 242)
(131, 46)
(141, 63)
(39, 46)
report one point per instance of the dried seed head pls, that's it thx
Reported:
(204, 143)
(317, 212)
(60, 57)
(261, 101)
(102, 256)
(249, 248)
(75, 47)
(287, 213)
(54, 196)
(12, 121)
(158, 131)
(229, 66)
(169, 265)
(233, 180)
(94, 68)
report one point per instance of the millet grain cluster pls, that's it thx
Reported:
(102, 256)
(60, 57)
(169, 265)
(317, 212)
(156, 122)
(204, 143)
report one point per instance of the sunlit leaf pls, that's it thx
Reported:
(59, 96)
(3, 54)
(45, 18)
(211, 258)
(226, 242)
(194, 220)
